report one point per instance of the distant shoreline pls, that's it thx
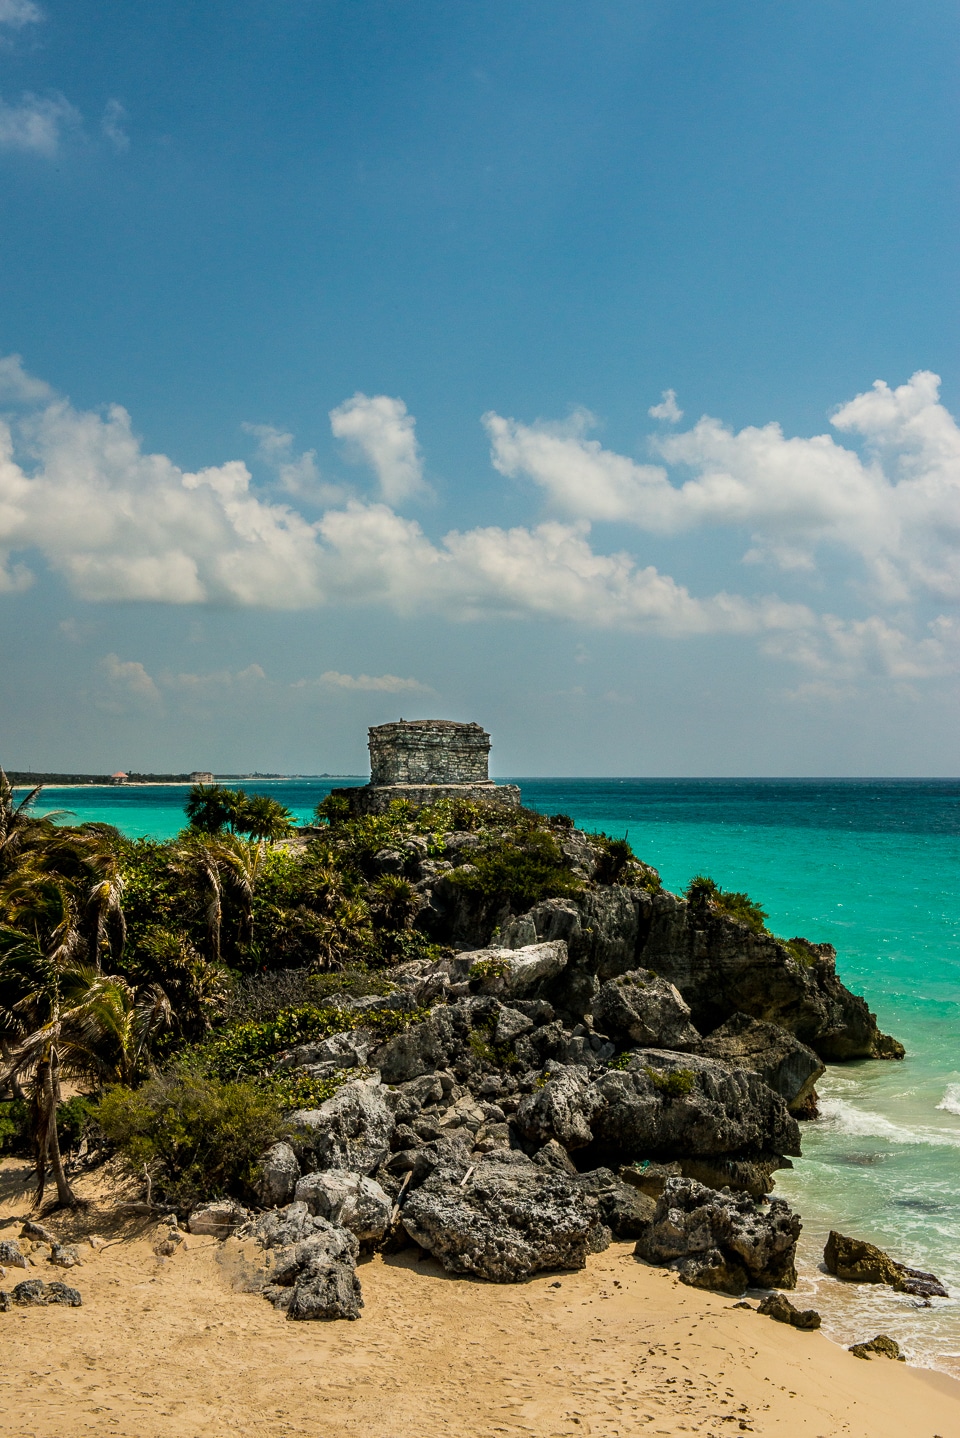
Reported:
(171, 783)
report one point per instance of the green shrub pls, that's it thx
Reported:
(74, 1118)
(521, 870)
(614, 862)
(333, 810)
(803, 951)
(735, 905)
(675, 1082)
(199, 1138)
(490, 969)
(247, 1049)
(15, 1126)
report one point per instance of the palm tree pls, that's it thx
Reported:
(59, 1013)
(262, 817)
(209, 807)
(195, 860)
(19, 827)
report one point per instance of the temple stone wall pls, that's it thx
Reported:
(423, 760)
(428, 751)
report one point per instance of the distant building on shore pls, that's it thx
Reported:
(201, 776)
(423, 760)
(119, 777)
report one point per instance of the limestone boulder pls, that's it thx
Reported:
(790, 1067)
(277, 1175)
(349, 1200)
(778, 1307)
(641, 1008)
(625, 1210)
(515, 973)
(855, 1261)
(219, 1219)
(721, 1240)
(317, 1278)
(510, 1219)
(11, 1254)
(351, 1130)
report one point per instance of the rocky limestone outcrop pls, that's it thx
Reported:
(855, 1261)
(639, 1007)
(787, 1065)
(351, 1130)
(505, 1220)
(662, 1105)
(721, 1240)
(514, 973)
(317, 1278)
(719, 965)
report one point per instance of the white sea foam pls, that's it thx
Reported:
(864, 1124)
(951, 1099)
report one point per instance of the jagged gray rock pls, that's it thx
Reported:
(350, 1130)
(510, 1219)
(624, 1209)
(11, 1254)
(645, 1009)
(219, 1219)
(349, 1200)
(514, 972)
(662, 1105)
(276, 1180)
(790, 1067)
(34, 1292)
(443, 1041)
(721, 1240)
(283, 1227)
(856, 1261)
(780, 1308)
(317, 1278)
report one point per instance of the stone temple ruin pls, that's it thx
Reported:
(423, 760)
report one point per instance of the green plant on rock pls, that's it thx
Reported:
(674, 1082)
(614, 862)
(704, 892)
(521, 870)
(490, 969)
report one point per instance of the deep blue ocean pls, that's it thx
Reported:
(870, 866)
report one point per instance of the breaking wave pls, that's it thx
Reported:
(951, 1099)
(864, 1124)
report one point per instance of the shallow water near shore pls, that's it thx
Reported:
(871, 866)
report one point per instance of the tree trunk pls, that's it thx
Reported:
(14, 1084)
(48, 1145)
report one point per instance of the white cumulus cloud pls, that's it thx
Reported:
(17, 13)
(667, 409)
(896, 506)
(365, 683)
(79, 495)
(112, 124)
(378, 431)
(36, 124)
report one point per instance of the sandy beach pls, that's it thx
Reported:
(182, 1347)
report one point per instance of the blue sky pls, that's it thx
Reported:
(340, 326)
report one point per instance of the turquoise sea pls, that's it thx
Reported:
(871, 866)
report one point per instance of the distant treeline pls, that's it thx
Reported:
(26, 776)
